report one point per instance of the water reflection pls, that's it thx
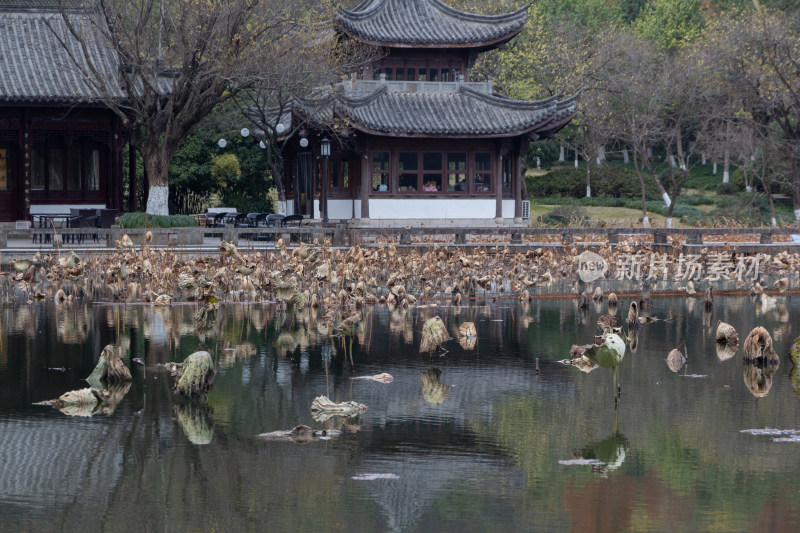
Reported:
(433, 390)
(196, 419)
(758, 376)
(479, 447)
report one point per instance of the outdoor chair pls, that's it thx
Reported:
(252, 219)
(216, 220)
(241, 220)
(88, 219)
(107, 217)
(286, 221)
(260, 219)
(274, 220)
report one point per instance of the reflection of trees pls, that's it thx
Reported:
(73, 324)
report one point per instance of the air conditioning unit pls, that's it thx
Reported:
(526, 209)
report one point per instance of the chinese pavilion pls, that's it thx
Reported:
(413, 138)
(60, 147)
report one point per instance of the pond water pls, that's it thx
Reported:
(472, 440)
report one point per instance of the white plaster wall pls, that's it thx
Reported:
(508, 208)
(342, 209)
(61, 209)
(433, 208)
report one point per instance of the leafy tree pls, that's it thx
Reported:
(671, 24)
(180, 59)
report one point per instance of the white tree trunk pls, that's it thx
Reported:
(714, 169)
(158, 201)
(671, 159)
(726, 166)
(561, 155)
(282, 207)
(748, 188)
(667, 199)
(588, 191)
(576, 159)
(646, 222)
(669, 222)
(625, 158)
(601, 154)
(797, 215)
(703, 158)
(774, 222)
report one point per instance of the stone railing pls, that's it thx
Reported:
(745, 239)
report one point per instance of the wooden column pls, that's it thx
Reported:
(26, 165)
(366, 183)
(516, 181)
(498, 183)
(519, 176)
(133, 203)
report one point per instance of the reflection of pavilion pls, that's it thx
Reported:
(422, 480)
(50, 463)
(432, 448)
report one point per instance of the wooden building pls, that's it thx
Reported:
(413, 138)
(60, 147)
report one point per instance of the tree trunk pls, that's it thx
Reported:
(637, 168)
(795, 187)
(156, 162)
(561, 155)
(671, 159)
(726, 166)
(625, 157)
(588, 180)
(682, 163)
(771, 206)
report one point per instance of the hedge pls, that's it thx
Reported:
(143, 220)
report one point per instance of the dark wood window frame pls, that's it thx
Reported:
(508, 174)
(73, 158)
(340, 177)
(383, 174)
(400, 179)
(418, 70)
(484, 172)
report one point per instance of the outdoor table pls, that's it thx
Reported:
(51, 221)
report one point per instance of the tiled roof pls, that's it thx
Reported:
(427, 23)
(36, 67)
(457, 110)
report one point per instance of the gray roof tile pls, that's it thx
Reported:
(464, 112)
(36, 67)
(427, 23)
(444, 109)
